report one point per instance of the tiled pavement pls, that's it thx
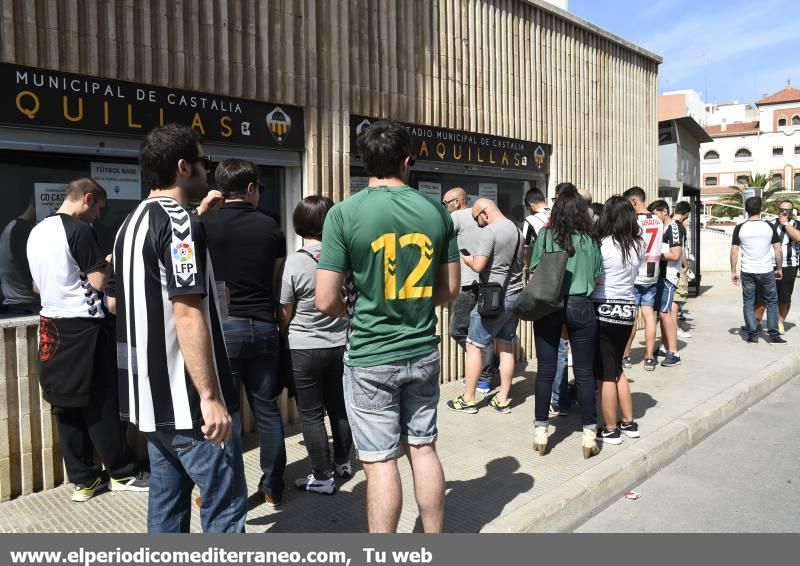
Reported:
(487, 458)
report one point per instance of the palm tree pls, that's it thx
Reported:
(731, 205)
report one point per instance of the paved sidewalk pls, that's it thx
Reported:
(494, 478)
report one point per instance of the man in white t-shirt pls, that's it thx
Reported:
(755, 238)
(534, 222)
(645, 288)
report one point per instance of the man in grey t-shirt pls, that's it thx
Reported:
(468, 235)
(497, 259)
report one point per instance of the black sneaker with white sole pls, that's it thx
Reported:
(776, 340)
(613, 436)
(630, 429)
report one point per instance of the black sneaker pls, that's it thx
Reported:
(776, 340)
(671, 360)
(138, 482)
(752, 340)
(649, 364)
(613, 436)
(631, 429)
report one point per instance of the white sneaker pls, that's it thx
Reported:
(310, 483)
(344, 470)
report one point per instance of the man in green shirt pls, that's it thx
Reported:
(400, 249)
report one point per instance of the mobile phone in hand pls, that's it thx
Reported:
(464, 251)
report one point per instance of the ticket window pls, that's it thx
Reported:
(33, 189)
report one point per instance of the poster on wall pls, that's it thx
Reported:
(357, 184)
(122, 181)
(49, 197)
(488, 190)
(431, 190)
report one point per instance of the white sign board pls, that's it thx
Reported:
(49, 197)
(488, 190)
(431, 190)
(357, 184)
(122, 181)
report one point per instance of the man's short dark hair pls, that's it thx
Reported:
(752, 206)
(383, 147)
(659, 204)
(637, 192)
(683, 208)
(534, 196)
(85, 186)
(309, 216)
(162, 149)
(234, 175)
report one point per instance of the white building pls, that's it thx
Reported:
(748, 141)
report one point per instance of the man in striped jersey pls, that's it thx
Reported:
(175, 380)
(788, 230)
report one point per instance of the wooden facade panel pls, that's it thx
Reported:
(503, 67)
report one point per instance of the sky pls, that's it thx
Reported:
(728, 50)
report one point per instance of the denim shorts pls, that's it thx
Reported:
(392, 404)
(484, 329)
(665, 295)
(645, 295)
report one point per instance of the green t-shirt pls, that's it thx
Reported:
(392, 240)
(583, 268)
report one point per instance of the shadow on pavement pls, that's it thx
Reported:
(472, 504)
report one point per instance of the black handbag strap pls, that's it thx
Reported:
(309, 254)
(513, 261)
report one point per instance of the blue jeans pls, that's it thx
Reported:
(559, 398)
(182, 458)
(253, 352)
(579, 315)
(762, 284)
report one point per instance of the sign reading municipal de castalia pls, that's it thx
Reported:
(46, 99)
(465, 148)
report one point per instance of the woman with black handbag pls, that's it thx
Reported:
(571, 230)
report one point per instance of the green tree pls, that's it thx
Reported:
(770, 194)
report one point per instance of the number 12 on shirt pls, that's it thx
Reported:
(409, 290)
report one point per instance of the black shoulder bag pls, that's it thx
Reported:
(491, 295)
(543, 295)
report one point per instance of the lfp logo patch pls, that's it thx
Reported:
(183, 252)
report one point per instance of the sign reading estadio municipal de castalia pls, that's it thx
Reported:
(465, 148)
(46, 99)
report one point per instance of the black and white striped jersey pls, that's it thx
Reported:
(61, 251)
(160, 253)
(791, 249)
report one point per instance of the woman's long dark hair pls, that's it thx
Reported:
(570, 215)
(618, 222)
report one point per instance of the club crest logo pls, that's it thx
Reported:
(279, 124)
(183, 252)
(539, 156)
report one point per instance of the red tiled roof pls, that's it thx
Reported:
(789, 94)
(735, 129)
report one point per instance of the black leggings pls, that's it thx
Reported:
(579, 316)
(318, 384)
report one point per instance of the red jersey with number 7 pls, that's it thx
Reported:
(652, 234)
